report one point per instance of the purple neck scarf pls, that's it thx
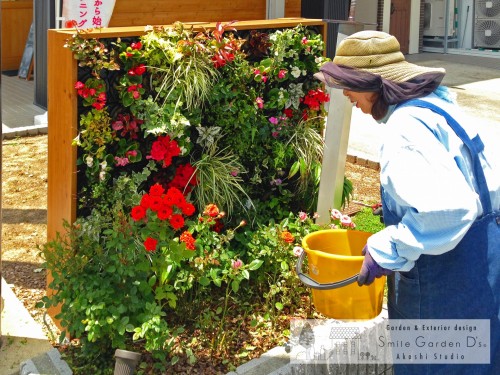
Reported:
(345, 77)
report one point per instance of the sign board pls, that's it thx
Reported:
(87, 14)
(26, 67)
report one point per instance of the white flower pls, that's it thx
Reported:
(295, 72)
(103, 165)
(89, 160)
(297, 251)
(102, 175)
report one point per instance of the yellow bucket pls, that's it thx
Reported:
(334, 259)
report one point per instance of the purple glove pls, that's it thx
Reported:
(370, 269)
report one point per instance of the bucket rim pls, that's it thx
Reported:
(346, 258)
(351, 258)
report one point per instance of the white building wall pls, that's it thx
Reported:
(465, 23)
(366, 11)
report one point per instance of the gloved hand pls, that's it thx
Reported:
(370, 269)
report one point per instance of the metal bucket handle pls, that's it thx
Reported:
(306, 280)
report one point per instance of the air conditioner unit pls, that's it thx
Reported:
(487, 33)
(487, 8)
(487, 24)
(435, 17)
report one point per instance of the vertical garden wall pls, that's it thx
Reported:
(184, 162)
(66, 106)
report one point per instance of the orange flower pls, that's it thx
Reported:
(287, 237)
(188, 239)
(211, 210)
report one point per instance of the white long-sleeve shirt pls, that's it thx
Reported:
(428, 182)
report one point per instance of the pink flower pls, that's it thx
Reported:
(302, 216)
(260, 102)
(304, 40)
(273, 120)
(121, 162)
(346, 220)
(316, 215)
(282, 74)
(117, 125)
(235, 264)
(264, 79)
(79, 85)
(297, 251)
(335, 214)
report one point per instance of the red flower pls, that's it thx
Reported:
(140, 69)
(150, 244)
(188, 239)
(146, 201)
(79, 85)
(155, 202)
(156, 190)
(175, 197)
(136, 45)
(164, 212)
(218, 226)
(288, 112)
(138, 213)
(164, 149)
(188, 209)
(176, 221)
(185, 178)
(98, 105)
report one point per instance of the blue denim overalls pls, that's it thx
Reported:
(463, 283)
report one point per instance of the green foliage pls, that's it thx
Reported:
(95, 133)
(366, 221)
(180, 66)
(219, 178)
(91, 53)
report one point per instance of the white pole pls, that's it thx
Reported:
(331, 184)
(59, 19)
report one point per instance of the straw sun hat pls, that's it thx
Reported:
(374, 52)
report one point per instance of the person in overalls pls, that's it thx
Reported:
(440, 190)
